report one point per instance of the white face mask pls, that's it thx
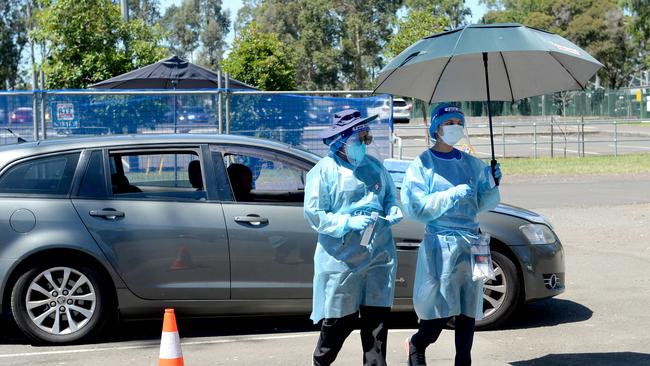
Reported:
(451, 134)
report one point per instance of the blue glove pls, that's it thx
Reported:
(497, 174)
(358, 222)
(394, 215)
(461, 191)
(497, 171)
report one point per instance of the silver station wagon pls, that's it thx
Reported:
(92, 228)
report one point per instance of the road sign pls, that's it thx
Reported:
(65, 115)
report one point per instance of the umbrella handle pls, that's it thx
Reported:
(493, 166)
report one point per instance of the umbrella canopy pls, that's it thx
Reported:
(521, 62)
(170, 73)
(503, 62)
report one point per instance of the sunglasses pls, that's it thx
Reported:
(365, 138)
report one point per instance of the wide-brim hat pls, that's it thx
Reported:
(343, 121)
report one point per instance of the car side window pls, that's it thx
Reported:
(265, 178)
(50, 175)
(157, 175)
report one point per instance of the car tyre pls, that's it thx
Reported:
(82, 304)
(502, 296)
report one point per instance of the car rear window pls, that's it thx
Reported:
(50, 175)
(399, 103)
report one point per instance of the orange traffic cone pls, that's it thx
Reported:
(170, 343)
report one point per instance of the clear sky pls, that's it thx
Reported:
(477, 11)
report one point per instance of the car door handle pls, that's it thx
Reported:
(252, 219)
(107, 213)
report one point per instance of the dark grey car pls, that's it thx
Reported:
(95, 227)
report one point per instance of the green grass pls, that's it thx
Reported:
(622, 164)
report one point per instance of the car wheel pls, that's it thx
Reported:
(60, 304)
(501, 296)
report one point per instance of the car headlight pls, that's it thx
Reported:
(538, 234)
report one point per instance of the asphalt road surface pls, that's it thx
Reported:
(601, 320)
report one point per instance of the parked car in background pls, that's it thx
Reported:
(97, 227)
(194, 115)
(401, 110)
(21, 115)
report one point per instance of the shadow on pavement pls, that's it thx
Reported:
(592, 359)
(546, 313)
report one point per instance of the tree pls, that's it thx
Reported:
(13, 37)
(598, 26)
(365, 29)
(640, 28)
(307, 26)
(147, 10)
(416, 25)
(215, 24)
(182, 24)
(85, 42)
(455, 10)
(317, 54)
(261, 59)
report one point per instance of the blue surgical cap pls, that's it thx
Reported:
(443, 112)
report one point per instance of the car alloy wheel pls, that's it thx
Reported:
(501, 296)
(60, 304)
(494, 292)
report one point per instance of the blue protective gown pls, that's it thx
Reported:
(347, 274)
(443, 279)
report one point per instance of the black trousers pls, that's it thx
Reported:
(374, 332)
(429, 331)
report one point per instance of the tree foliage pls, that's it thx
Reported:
(215, 25)
(147, 10)
(598, 26)
(13, 36)
(366, 28)
(86, 42)
(640, 27)
(183, 25)
(454, 10)
(309, 27)
(261, 59)
(197, 26)
(338, 43)
(417, 24)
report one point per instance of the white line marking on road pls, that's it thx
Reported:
(631, 147)
(156, 344)
(561, 150)
(152, 344)
(496, 139)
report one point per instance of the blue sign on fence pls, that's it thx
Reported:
(65, 115)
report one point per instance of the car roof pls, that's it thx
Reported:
(9, 153)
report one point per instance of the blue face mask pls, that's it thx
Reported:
(355, 153)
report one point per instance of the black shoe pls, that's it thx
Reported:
(415, 357)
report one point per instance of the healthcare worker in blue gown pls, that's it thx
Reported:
(353, 283)
(446, 188)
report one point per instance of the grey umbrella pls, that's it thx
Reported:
(170, 73)
(504, 62)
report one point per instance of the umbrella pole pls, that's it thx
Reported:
(493, 162)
